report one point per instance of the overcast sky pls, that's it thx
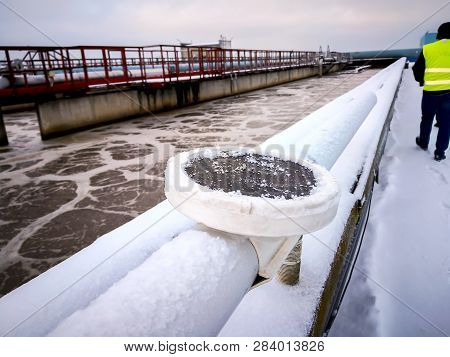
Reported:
(282, 24)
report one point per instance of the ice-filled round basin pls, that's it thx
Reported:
(248, 192)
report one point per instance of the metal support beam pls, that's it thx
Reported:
(3, 136)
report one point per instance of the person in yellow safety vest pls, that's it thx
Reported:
(432, 71)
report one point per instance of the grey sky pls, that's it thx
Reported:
(282, 24)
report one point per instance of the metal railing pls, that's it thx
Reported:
(46, 70)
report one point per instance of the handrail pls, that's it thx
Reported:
(44, 70)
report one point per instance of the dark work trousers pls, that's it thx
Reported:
(436, 105)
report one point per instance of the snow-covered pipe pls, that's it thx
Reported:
(177, 291)
(35, 308)
(324, 136)
(189, 287)
(181, 286)
(327, 122)
(327, 142)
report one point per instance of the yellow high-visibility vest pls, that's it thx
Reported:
(437, 65)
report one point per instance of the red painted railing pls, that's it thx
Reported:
(46, 70)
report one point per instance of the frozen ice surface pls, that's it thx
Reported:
(401, 286)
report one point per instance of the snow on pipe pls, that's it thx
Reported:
(333, 136)
(189, 287)
(327, 142)
(323, 135)
(193, 284)
(323, 141)
(35, 308)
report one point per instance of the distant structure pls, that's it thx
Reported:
(428, 37)
(223, 43)
(410, 53)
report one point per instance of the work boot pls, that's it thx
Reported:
(439, 157)
(419, 144)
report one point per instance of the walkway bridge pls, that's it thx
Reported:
(84, 86)
(39, 71)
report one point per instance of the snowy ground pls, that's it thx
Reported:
(401, 284)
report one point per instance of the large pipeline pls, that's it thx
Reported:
(156, 71)
(193, 284)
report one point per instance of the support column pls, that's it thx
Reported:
(3, 136)
(289, 273)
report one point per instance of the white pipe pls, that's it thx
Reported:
(177, 290)
(36, 307)
(189, 287)
(325, 134)
(327, 142)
